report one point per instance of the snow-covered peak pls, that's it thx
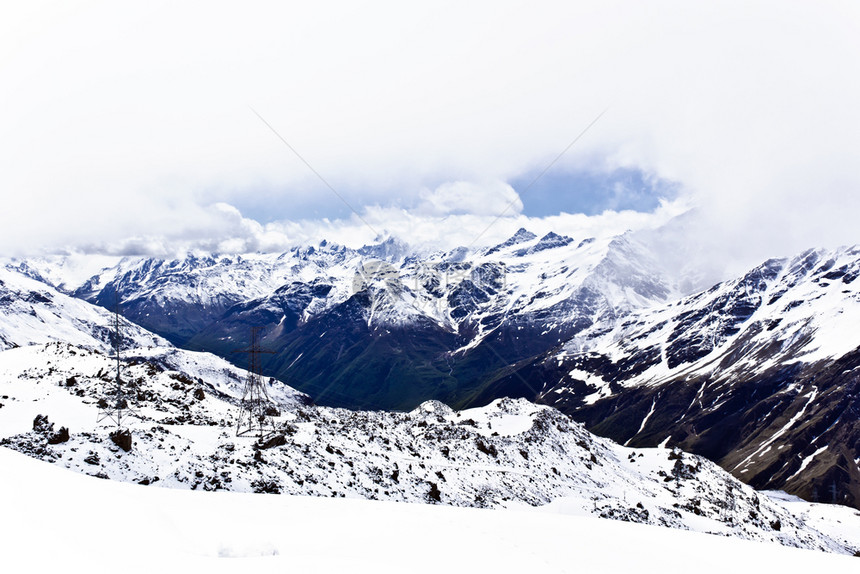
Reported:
(807, 304)
(521, 236)
(32, 312)
(391, 249)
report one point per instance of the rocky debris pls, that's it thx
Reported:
(434, 495)
(266, 487)
(43, 427)
(512, 452)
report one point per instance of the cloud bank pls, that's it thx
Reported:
(124, 126)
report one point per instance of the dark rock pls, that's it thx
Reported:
(485, 448)
(92, 458)
(266, 486)
(61, 435)
(434, 495)
(122, 438)
(199, 394)
(41, 424)
(271, 442)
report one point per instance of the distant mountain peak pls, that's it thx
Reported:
(389, 249)
(549, 241)
(521, 236)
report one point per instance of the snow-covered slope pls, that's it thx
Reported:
(757, 373)
(41, 328)
(33, 312)
(510, 454)
(62, 521)
(787, 310)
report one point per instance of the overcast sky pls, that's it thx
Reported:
(137, 128)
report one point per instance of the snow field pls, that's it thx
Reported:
(58, 520)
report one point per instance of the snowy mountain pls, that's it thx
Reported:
(508, 454)
(755, 373)
(34, 315)
(383, 326)
(758, 374)
(33, 312)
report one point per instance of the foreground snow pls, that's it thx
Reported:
(510, 454)
(54, 518)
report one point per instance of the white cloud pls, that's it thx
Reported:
(462, 197)
(445, 232)
(125, 122)
(221, 228)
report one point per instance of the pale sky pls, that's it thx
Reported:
(133, 127)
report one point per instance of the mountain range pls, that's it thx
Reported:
(755, 373)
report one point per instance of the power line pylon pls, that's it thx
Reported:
(116, 408)
(254, 414)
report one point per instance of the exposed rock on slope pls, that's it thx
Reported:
(508, 453)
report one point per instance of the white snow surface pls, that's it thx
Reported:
(55, 520)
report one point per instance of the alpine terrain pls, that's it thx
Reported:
(754, 373)
(183, 408)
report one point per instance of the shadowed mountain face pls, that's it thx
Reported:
(381, 327)
(756, 373)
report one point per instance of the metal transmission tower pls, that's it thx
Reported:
(116, 408)
(255, 417)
